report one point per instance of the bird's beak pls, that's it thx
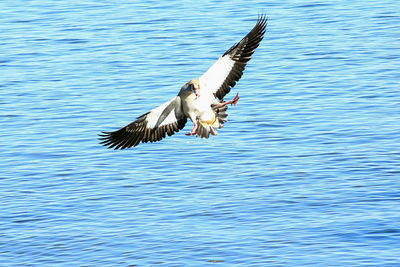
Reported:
(194, 90)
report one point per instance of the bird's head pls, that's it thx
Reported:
(192, 87)
(195, 86)
(195, 83)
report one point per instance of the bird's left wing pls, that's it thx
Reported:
(223, 75)
(153, 126)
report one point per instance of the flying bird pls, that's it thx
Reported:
(201, 100)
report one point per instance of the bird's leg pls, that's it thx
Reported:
(193, 132)
(232, 102)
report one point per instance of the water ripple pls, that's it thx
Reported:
(305, 173)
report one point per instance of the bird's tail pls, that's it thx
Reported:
(210, 127)
(221, 115)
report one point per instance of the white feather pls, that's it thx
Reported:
(154, 115)
(214, 77)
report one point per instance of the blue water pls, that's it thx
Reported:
(305, 173)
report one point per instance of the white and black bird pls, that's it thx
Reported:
(201, 100)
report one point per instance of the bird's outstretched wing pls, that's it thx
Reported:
(223, 75)
(153, 126)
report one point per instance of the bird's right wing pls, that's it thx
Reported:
(223, 75)
(153, 126)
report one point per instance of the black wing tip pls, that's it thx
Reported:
(104, 134)
(261, 24)
(256, 34)
(122, 139)
(262, 18)
(114, 140)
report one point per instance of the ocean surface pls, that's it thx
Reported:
(305, 173)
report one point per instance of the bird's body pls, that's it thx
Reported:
(198, 107)
(201, 100)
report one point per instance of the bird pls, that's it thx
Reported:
(201, 100)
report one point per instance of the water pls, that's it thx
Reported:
(305, 173)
